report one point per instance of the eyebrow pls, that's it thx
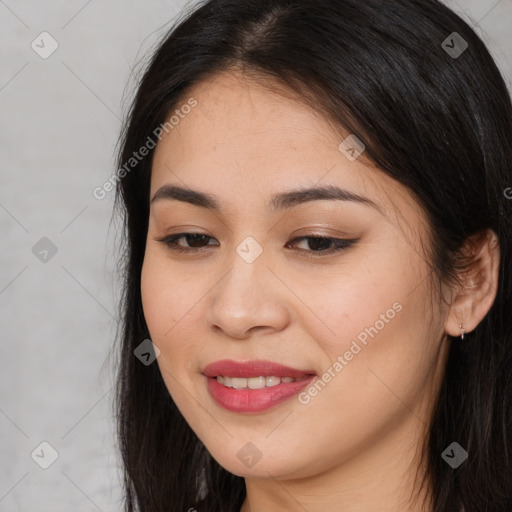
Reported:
(278, 202)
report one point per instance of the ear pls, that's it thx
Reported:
(474, 295)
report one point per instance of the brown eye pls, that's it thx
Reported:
(195, 241)
(322, 245)
(317, 246)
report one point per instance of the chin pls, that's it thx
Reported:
(247, 463)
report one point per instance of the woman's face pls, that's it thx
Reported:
(359, 324)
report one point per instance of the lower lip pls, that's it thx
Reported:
(254, 400)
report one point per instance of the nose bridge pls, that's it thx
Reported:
(248, 268)
(244, 298)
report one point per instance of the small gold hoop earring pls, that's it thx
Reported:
(462, 332)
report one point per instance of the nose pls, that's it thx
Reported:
(248, 299)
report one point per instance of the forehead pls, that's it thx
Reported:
(236, 114)
(244, 142)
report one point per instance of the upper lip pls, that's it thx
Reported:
(255, 368)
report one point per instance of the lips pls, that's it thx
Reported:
(284, 381)
(256, 368)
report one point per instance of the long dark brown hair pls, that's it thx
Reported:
(437, 122)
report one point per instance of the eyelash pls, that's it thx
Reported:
(340, 244)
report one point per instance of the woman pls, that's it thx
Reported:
(317, 307)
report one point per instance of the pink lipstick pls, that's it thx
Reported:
(253, 386)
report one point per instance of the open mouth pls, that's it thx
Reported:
(253, 386)
(244, 399)
(255, 382)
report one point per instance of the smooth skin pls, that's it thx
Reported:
(355, 445)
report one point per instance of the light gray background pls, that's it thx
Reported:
(60, 119)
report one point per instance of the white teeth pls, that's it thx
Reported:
(256, 382)
(253, 382)
(272, 381)
(238, 382)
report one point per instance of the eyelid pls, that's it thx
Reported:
(340, 244)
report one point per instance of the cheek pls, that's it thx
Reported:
(375, 321)
(170, 305)
(155, 299)
(357, 306)
(166, 296)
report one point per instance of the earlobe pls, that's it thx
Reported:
(478, 283)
